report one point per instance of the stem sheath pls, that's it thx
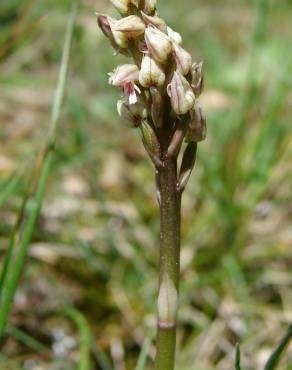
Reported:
(169, 264)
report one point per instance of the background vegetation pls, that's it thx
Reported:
(90, 279)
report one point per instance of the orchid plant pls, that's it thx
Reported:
(160, 91)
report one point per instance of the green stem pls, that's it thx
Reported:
(169, 265)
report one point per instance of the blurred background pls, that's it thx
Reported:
(95, 247)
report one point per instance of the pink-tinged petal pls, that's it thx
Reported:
(129, 89)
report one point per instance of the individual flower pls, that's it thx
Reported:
(131, 113)
(181, 94)
(121, 5)
(197, 129)
(151, 74)
(119, 37)
(174, 36)
(158, 44)
(183, 59)
(124, 77)
(155, 21)
(106, 24)
(131, 26)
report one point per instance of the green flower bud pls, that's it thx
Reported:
(150, 140)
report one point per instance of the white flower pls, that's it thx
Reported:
(158, 44)
(125, 76)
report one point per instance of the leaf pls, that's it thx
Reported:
(237, 357)
(143, 355)
(275, 357)
(187, 165)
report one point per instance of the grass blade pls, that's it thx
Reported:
(143, 355)
(26, 339)
(85, 337)
(237, 357)
(10, 277)
(274, 359)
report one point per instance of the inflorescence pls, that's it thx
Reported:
(162, 85)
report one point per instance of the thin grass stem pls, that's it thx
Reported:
(85, 337)
(33, 204)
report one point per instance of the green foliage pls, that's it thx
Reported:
(237, 357)
(274, 360)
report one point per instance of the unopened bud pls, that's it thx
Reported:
(151, 74)
(158, 44)
(131, 26)
(151, 142)
(121, 5)
(124, 74)
(167, 302)
(156, 107)
(174, 36)
(155, 21)
(180, 93)
(131, 113)
(150, 6)
(197, 129)
(197, 78)
(183, 59)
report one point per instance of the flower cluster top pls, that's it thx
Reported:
(162, 84)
